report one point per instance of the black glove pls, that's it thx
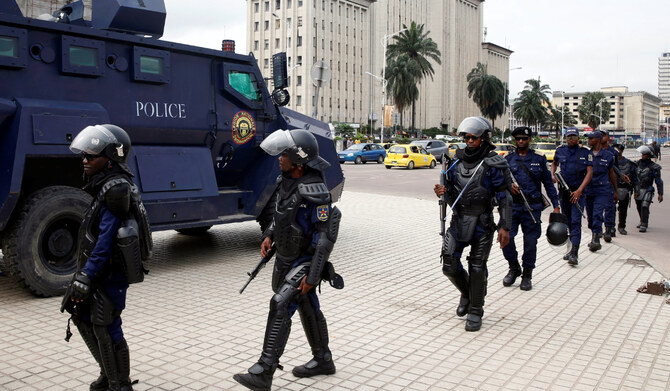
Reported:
(81, 286)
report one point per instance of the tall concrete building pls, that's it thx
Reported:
(348, 35)
(632, 113)
(664, 78)
(336, 32)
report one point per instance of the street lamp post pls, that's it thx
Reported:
(384, 82)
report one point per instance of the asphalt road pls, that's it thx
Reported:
(418, 183)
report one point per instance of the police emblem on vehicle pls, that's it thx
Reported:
(244, 127)
(322, 212)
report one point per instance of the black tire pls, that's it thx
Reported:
(410, 165)
(380, 159)
(195, 231)
(40, 244)
(388, 167)
(432, 164)
(358, 160)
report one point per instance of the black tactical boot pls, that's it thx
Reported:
(461, 281)
(643, 227)
(259, 377)
(607, 235)
(567, 255)
(477, 293)
(474, 320)
(595, 243)
(526, 285)
(622, 230)
(613, 232)
(573, 255)
(100, 384)
(514, 272)
(315, 367)
(122, 355)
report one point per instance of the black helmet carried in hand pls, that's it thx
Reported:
(557, 230)
(107, 140)
(300, 145)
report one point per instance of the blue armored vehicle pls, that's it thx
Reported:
(196, 117)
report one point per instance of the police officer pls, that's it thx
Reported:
(610, 208)
(576, 164)
(601, 189)
(114, 239)
(304, 230)
(647, 173)
(530, 171)
(477, 177)
(625, 182)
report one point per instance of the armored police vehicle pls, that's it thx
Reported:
(196, 118)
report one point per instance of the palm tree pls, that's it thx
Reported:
(532, 102)
(401, 74)
(487, 91)
(417, 49)
(593, 104)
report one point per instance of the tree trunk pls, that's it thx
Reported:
(413, 115)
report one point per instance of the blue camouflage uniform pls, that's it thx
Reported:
(573, 163)
(531, 187)
(599, 192)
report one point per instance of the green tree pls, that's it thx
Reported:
(487, 91)
(556, 118)
(593, 104)
(414, 50)
(401, 74)
(532, 102)
(344, 130)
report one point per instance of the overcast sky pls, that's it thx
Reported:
(585, 43)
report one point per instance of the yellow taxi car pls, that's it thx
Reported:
(546, 149)
(410, 156)
(453, 147)
(504, 149)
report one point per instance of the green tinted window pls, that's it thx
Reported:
(9, 46)
(83, 57)
(245, 84)
(152, 65)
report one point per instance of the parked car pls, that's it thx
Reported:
(546, 149)
(455, 146)
(363, 153)
(410, 156)
(434, 147)
(504, 149)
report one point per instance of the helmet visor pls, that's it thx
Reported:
(93, 140)
(277, 142)
(475, 126)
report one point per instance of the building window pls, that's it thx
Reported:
(276, 43)
(298, 100)
(277, 24)
(256, 8)
(255, 45)
(266, 45)
(288, 3)
(299, 60)
(256, 26)
(299, 43)
(299, 3)
(277, 4)
(267, 6)
(299, 21)
(267, 25)
(299, 81)
(265, 63)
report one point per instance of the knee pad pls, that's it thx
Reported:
(449, 265)
(102, 309)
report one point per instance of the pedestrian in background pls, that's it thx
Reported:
(531, 172)
(647, 173)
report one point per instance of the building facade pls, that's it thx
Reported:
(336, 32)
(664, 78)
(348, 35)
(631, 113)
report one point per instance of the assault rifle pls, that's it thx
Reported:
(525, 200)
(261, 264)
(443, 199)
(563, 186)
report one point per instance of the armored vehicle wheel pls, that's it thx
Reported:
(195, 231)
(40, 244)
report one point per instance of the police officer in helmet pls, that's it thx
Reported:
(601, 189)
(530, 171)
(473, 181)
(647, 173)
(304, 230)
(114, 239)
(626, 181)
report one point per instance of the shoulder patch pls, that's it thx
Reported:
(590, 158)
(322, 212)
